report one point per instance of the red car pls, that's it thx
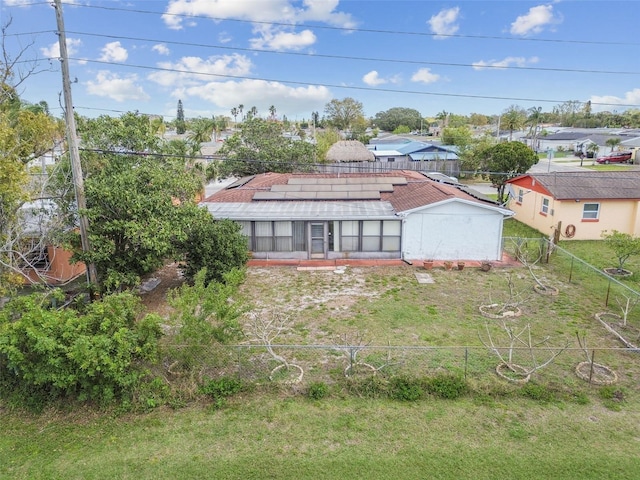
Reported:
(615, 157)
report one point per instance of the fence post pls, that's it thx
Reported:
(571, 269)
(466, 361)
(606, 300)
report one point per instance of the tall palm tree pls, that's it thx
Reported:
(613, 142)
(513, 118)
(272, 112)
(240, 109)
(252, 113)
(533, 120)
(201, 130)
(234, 114)
(593, 149)
(219, 123)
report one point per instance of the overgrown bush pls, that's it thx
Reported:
(220, 389)
(446, 386)
(536, 391)
(98, 355)
(371, 386)
(204, 315)
(406, 389)
(318, 390)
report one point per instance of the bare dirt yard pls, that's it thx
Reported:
(387, 306)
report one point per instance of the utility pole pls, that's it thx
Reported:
(74, 154)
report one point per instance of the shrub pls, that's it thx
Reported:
(318, 390)
(222, 387)
(405, 389)
(98, 355)
(372, 386)
(535, 391)
(612, 397)
(446, 386)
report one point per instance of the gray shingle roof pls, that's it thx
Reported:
(620, 185)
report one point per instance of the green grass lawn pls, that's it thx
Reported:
(283, 438)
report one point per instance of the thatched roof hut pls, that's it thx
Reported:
(349, 151)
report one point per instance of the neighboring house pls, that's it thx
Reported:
(412, 151)
(393, 215)
(579, 139)
(44, 262)
(582, 204)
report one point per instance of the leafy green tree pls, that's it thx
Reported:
(136, 211)
(181, 125)
(25, 134)
(401, 129)
(460, 136)
(260, 146)
(98, 355)
(457, 121)
(324, 140)
(473, 158)
(343, 114)
(507, 160)
(215, 245)
(391, 119)
(623, 245)
(478, 119)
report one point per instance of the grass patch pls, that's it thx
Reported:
(265, 437)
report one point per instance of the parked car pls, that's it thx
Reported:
(615, 157)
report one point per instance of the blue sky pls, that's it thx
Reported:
(460, 57)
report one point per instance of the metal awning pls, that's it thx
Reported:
(286, 210)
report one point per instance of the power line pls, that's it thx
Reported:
(342, 57)
(366, 59)
(354, 29)
(348, 87)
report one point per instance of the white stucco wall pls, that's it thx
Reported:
(453, 231)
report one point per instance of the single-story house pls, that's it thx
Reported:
(394, 215)
(582, 204)
(412, 151)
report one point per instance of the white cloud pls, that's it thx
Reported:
(535, 20)
(424, 75)
(280, 40)
(53, 50)
(373, 78)
(607, 101)
(224, 37)
(444, 23)
(258, 93)
(113, 52)
(505, 62)
(120, 89)
(161, 48)
(195, 70)
(286, 11)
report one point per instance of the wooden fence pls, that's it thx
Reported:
(447, 167)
